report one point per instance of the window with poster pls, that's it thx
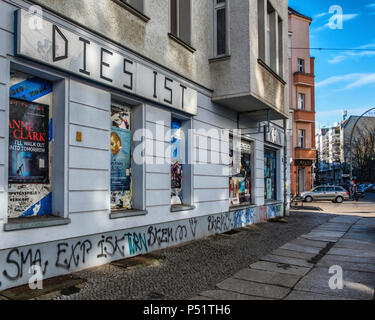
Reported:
(241, 164)
(269, 175)
(30, 146)
(176, 163)
(121, 171)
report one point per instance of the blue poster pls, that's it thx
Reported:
(30, 89)
(120, 159)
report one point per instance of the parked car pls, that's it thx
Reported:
(361, 191)
(334, 193)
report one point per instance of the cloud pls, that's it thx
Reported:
(362, 81)
(352, 80)
(354, 54)
(371, 5)
(320, 15)
(345, 18)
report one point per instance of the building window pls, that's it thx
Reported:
(136, 4)
(181, 19)
(269, 175)
(301, 65)
(31, 146)
(301, 101)
(301, 138)
(177, 160)
(241, 172)
(181, 171)
(220, 27)
(121, 181)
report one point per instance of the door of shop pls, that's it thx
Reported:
(301, 180)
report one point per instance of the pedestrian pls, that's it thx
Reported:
(355, 192)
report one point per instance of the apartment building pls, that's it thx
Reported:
(302, 102)
(131, 126)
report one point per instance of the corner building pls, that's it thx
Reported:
(131, 126)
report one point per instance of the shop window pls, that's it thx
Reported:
(241, 165)
(30, 146)
(269, 175)
(181, 174)
(121, 161)
(176, 166)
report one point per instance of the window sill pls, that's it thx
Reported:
(241, 207)
(182, 207)
(219, 59)
(181, 42)
(126, 214)
(266, 66)
(34, 223)
(132, 10)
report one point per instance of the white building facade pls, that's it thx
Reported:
(118, 139)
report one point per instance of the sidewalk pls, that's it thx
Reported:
(299, 270)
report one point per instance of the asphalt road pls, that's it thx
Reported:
(365, 207)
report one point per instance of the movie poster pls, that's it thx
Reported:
(121, 187)
(28, 142)
(30, 146)
(176, 166)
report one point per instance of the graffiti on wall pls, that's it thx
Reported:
(66, 256)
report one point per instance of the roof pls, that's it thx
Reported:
(296, 13)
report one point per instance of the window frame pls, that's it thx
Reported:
(301, 103)
(216, 7)
(252, 174)
(301, 65)
(187, 185)
(301, 138)
(177, 35)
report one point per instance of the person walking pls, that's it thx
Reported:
(355, 192)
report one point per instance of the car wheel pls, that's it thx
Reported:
(339, 200)
(309, 199)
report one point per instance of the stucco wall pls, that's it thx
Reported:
(263, 83)
(147, 38)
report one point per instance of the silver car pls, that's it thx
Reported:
(321, 193)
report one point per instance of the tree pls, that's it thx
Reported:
(364, 154)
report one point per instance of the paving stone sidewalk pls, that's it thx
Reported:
(299, 270)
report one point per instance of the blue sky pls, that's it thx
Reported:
(345, 80)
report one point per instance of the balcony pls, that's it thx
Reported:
(304, 154)
(249, 81)
(303, 79)
(304, 116)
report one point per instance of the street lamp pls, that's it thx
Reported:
(351, 142)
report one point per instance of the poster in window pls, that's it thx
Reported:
(28, 142)
(176, 166)
(121, 188)
(30, 146)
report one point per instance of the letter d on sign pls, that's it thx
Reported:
(336, 282)
(36, 280)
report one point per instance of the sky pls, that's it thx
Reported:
(345, 80)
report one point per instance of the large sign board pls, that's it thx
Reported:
(87, 57)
